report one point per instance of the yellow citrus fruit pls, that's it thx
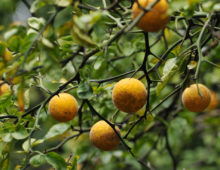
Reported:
(129, 95)
(4, 88)
(63, 107)
(155, 19)
(192, 99)
(103, 136)
(214, 101)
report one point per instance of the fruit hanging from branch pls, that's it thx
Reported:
(129, 95)
(63, 107)
(103, 136)
(196, 99)
(153, 20)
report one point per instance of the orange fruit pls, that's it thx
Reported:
(103, 136)
(155, 19)
(63, 107)
(192, 99)
(4, 88)
(129, 95)
(214, 101)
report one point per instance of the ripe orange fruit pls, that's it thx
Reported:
(214, 101)
(103, 136)
(63, 107)
(129, 95)
(192, 99)
(4, 88)
(153, 20)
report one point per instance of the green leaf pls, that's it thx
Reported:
(56, 161)
(98, 63)
(34, 142)
(2, 48)
(81, 26)
(20, 133)
(37, 160)
(36, 5)
(36, 23)
(150, 117)
(169, 71)
(62, 17)
(7, 137)
(84, 90)
(66, 42)
(47, 42)
(81, 38)
(14, 43)
(64, 3)
(11, 32)
(27, 42)
(56, 130)
(86, 22)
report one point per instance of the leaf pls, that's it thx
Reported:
(11, 32)
(5, 163)
(176, 50)
(81, 38)
(7, 137)
(56, 130)
(47, 42)
(36, 23)
(150, 117)
(34, 142)
(36, 5)
(20, 96)
(27, 42)
(20, 133)
(2, 48)
(64, 3)
(66, 42)
(98, 63)
(86, 22)
(84, 90)
(8, 56)
(37, 160)
(62, 17)
(81, 26)
(169, 71)
(56, 161)
(192, 65)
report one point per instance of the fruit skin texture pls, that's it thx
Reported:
(4, 88)
(193, 101)
(63, 107)
(214, 101)
(103, 136)
(129, 95)
(153, 20)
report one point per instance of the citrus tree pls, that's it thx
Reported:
(106, 84)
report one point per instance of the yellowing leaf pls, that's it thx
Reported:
(141, 111)
(192, 65)
(192, 2)
(7, 56)
(20, 96)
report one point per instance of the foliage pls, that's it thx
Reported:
(84, 47)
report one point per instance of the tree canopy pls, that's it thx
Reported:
(83, 48)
